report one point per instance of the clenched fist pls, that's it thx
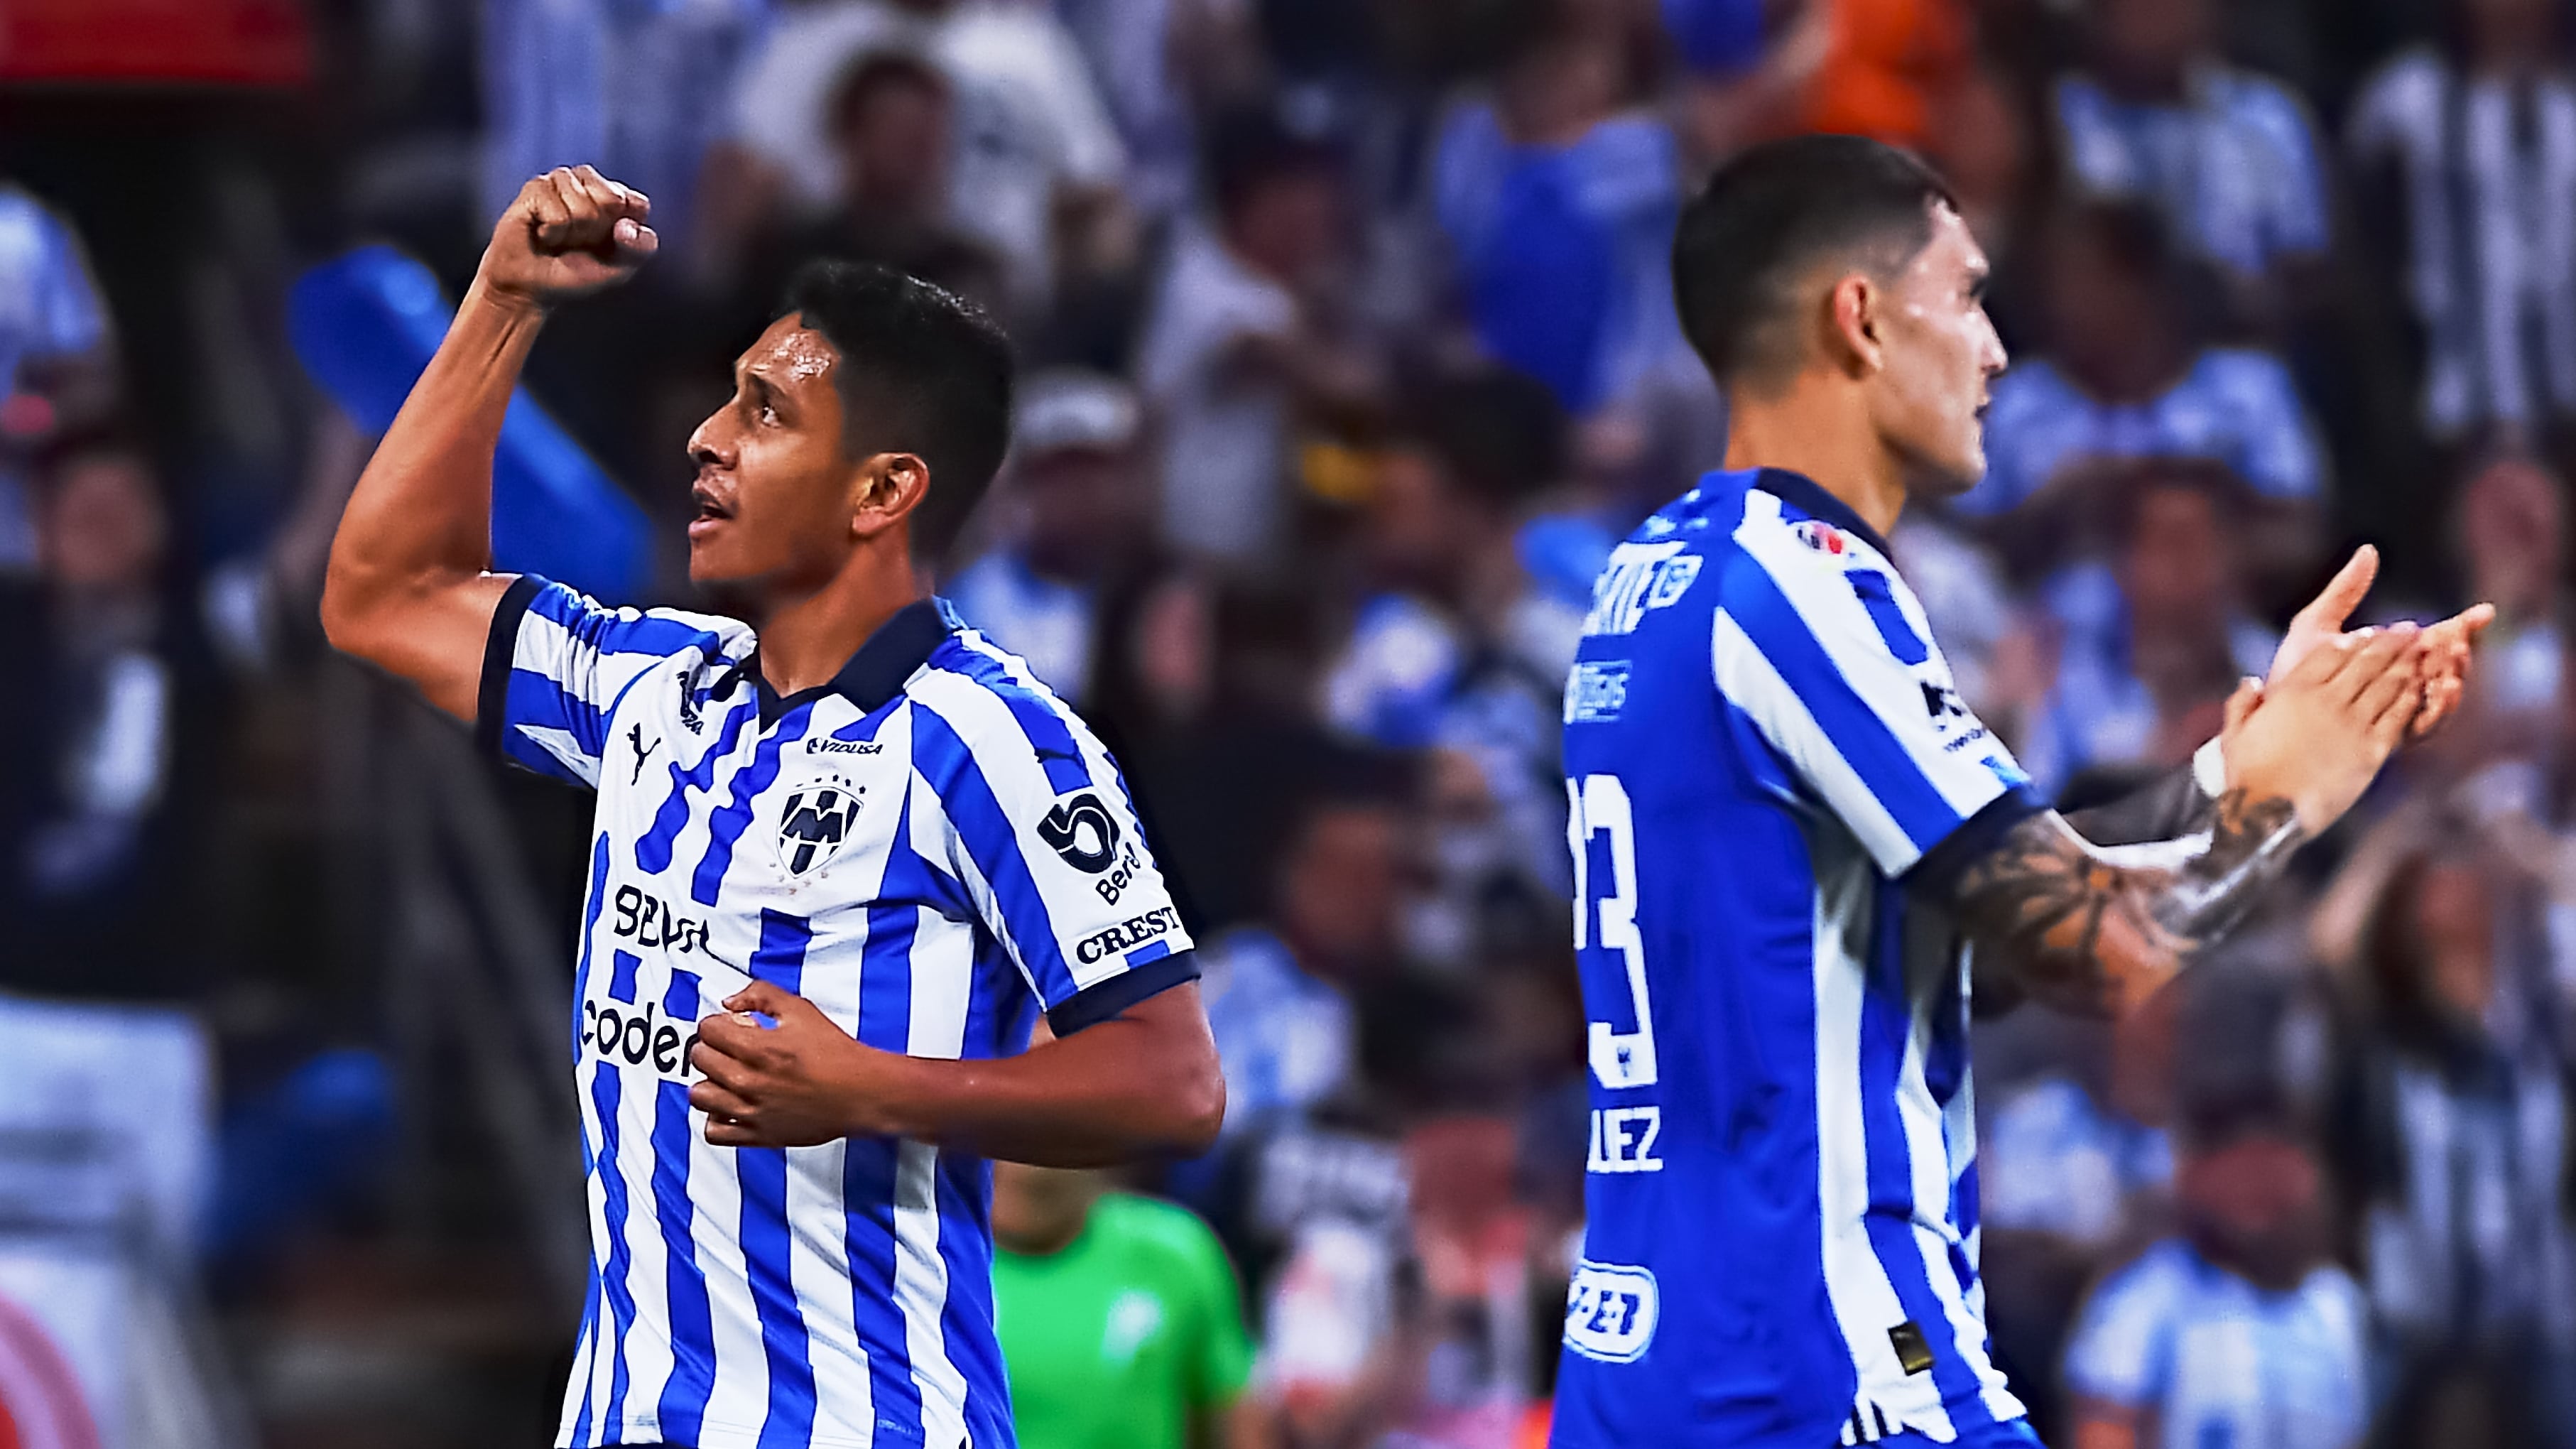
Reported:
(570, 232)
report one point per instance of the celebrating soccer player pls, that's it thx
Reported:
(862, 830)
(1786, 825)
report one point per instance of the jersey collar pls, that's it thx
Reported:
(877, 672)
(1809, 497)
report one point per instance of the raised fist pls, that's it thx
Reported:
(571, 231)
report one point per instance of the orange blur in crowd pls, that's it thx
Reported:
(1887, 66)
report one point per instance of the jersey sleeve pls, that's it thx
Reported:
(554, 667)
(1042, 833)
(1821, 656)
(2120, 1351)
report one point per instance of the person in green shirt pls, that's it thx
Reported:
(1119, 1316)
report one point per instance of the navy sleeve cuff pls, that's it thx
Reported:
(1097, 1004)
(492, 699)
(1939, 871)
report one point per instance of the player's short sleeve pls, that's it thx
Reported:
(1837, 673)
(2122, 1348)
(1042, 832)
(555, 666)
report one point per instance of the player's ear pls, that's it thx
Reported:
(1852, 323)
(890, 486)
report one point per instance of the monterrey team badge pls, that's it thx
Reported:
(817, 820)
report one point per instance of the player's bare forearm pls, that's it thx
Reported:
(1141, 1083)
(2096, 929)
(407, 586)
(2090, 936)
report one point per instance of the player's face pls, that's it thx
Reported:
(1941, 357)
(774, 489)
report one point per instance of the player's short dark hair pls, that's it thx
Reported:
(1498, 433)
(921, 371)
(1773, 212)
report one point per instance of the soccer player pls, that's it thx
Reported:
(863, 831)
(1785, 824)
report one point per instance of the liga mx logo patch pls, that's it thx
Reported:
(817, 819)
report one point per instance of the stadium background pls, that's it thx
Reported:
(1347, 355)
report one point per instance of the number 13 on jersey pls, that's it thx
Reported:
(1623, 1138)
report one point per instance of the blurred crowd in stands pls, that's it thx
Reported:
(1348, 354)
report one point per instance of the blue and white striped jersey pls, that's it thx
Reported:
(931, 849)
(1764, 749)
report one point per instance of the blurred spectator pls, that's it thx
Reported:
(1244, 343)
(1476, 1242)
(2073, 1167)
(57, 355)
(1746, 68)
(1427, 1346)
(1035, 161)
(2451, 1115)
(2229, 157)
(1557, 197)
(109, 1139)
(2237, 1331)
(1075, 503)
(1986, 154)
(2151, 687)
(1119, 1318)
(635, 90)
(1460, 649)
(97, 806)
(1884, 68)
(2475, 144)
(2126, 376)
(893, 127)
(1162, 64)
(1279, 997)
(1206, 694)
(2509, 540)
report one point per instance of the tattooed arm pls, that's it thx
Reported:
(2097, 929)
(2089, 936)
(2179, 803)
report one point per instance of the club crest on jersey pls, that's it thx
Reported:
(817, 819)
(1821, 536)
